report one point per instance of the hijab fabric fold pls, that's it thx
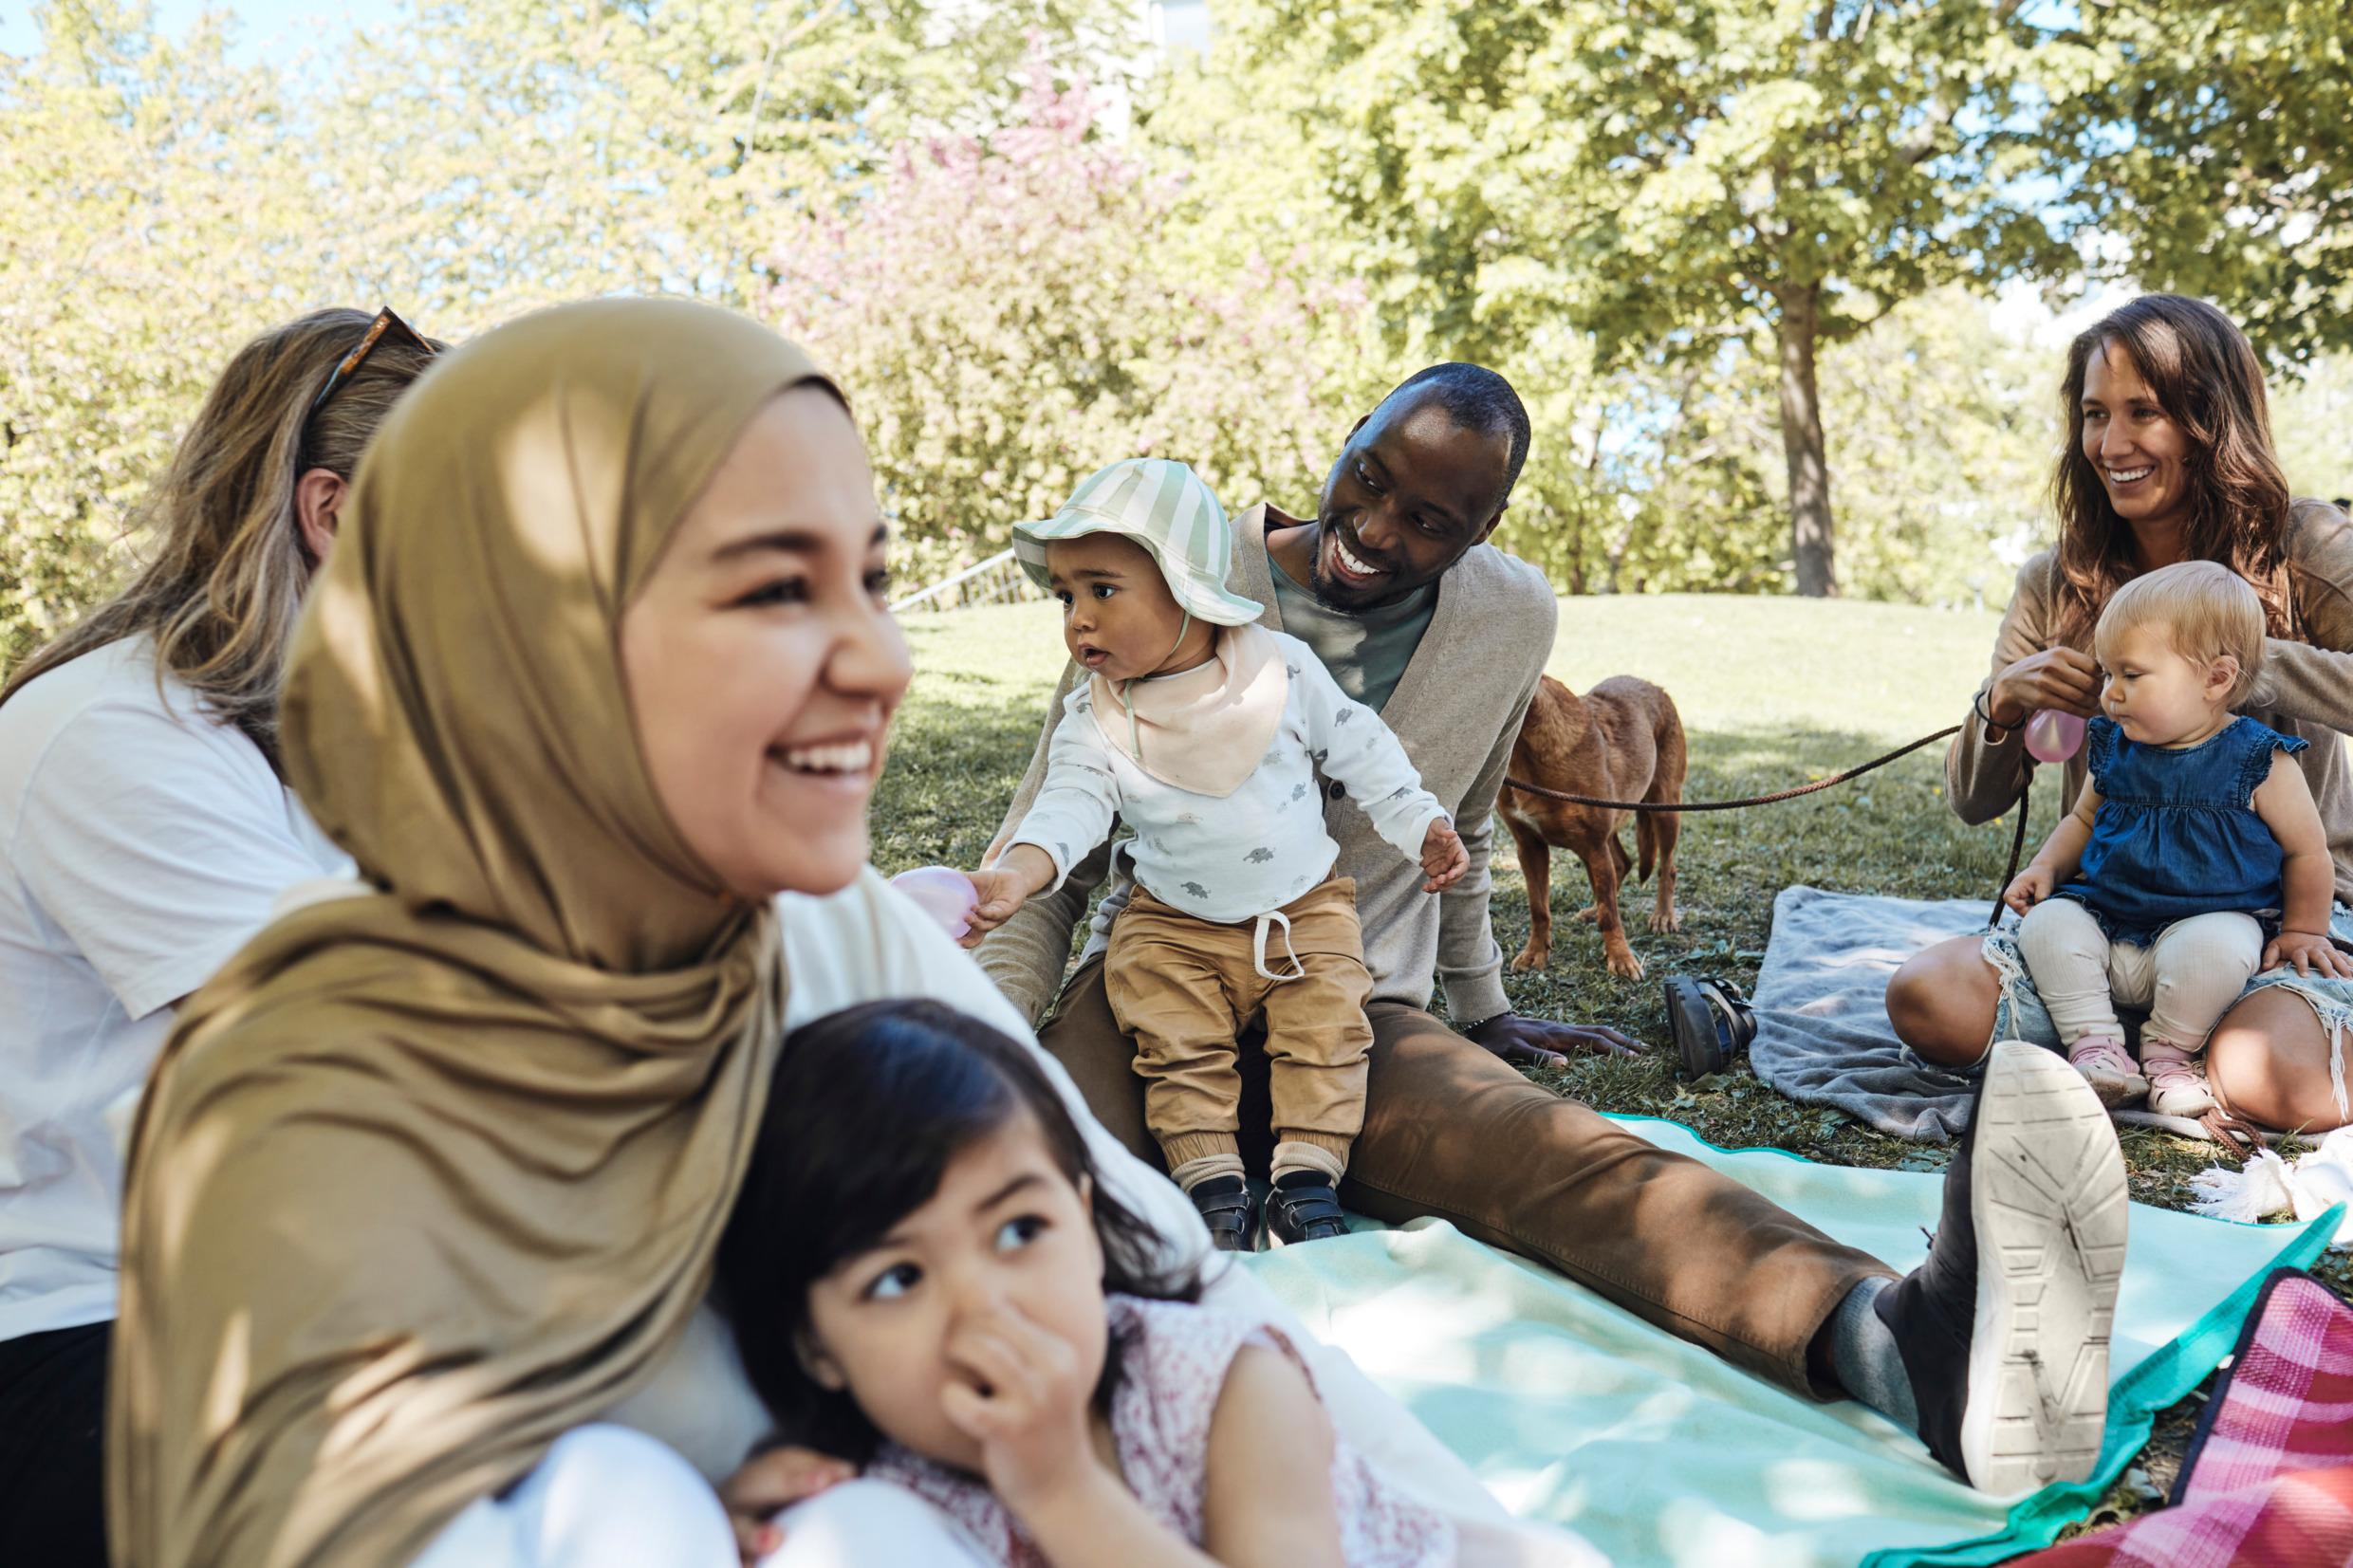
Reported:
(431, 1173)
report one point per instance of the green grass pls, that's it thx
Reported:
(1773, 691)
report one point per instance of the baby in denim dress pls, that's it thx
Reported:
(2193, 857)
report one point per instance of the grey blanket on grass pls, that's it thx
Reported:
(1821, 1031)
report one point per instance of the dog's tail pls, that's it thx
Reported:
(1655, 831)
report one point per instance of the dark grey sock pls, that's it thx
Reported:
(1863, 1355)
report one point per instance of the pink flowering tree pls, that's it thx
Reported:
(1011, 310)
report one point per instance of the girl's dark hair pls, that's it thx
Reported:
(2207, 380)
(867, 1108)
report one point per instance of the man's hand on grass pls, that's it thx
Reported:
(1542, 1042)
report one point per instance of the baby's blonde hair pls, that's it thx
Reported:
(2203, 610)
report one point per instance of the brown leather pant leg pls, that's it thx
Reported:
(1451, 1131)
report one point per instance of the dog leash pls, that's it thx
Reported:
(2237, 1138)
(2017, 837)
(1774, 799)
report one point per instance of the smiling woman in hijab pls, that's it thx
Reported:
(594, 692)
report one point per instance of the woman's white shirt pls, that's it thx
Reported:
(141, 843)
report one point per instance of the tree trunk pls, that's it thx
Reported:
(1587, 504)
(1801, 444)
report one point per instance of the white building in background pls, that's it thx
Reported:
(1177, 23)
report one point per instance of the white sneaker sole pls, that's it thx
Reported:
(2047, 1197)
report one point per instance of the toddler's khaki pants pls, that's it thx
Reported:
(1184, 988)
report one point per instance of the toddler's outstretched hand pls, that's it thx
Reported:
(1031, 1420)
(2028, 888)
(1003, 888)
(2311, 953)
(1000, 893)
(1443, 858)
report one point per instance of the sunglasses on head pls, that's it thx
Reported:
(387, 319)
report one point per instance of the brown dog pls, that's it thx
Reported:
(1623, 741)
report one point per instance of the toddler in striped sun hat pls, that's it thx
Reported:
(1211, 736)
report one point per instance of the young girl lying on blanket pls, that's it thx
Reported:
(925, 1279)
(1207, 734)
(2187, 847)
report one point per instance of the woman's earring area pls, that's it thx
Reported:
(318, 497)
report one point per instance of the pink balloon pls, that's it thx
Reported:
(946, 893)
(2053, 736)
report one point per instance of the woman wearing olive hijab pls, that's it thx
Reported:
(594, 692)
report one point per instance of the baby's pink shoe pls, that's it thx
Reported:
(2110, 1069)
(2178, 1084)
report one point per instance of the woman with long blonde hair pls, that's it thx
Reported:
(144, 836)
(2169, 458)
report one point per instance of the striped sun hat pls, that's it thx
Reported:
(1165, 507)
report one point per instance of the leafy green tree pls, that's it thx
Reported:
(1943, 434)
(1673, 174)
(465, 163)
(134, 165)
(2217, 145)
(2312, 421)
(1940, 433)
(1011, 311)
(1649, 482)
(505, 154)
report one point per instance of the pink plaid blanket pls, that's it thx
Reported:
(2268, 1478)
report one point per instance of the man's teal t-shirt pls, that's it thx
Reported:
(1366, 652)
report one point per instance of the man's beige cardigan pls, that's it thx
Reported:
(1457, 709)
(2306, 688)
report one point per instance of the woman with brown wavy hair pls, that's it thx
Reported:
(144, 836)
(2169, 458)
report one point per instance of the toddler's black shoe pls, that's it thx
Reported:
(1229, 1210)
(1710, 1021)
(1304, 1208)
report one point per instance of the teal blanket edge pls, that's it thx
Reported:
(2162, 1380)
(2158, 1382)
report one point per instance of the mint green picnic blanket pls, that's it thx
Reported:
(1577, 1413)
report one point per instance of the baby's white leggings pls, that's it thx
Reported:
(2195, 969)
